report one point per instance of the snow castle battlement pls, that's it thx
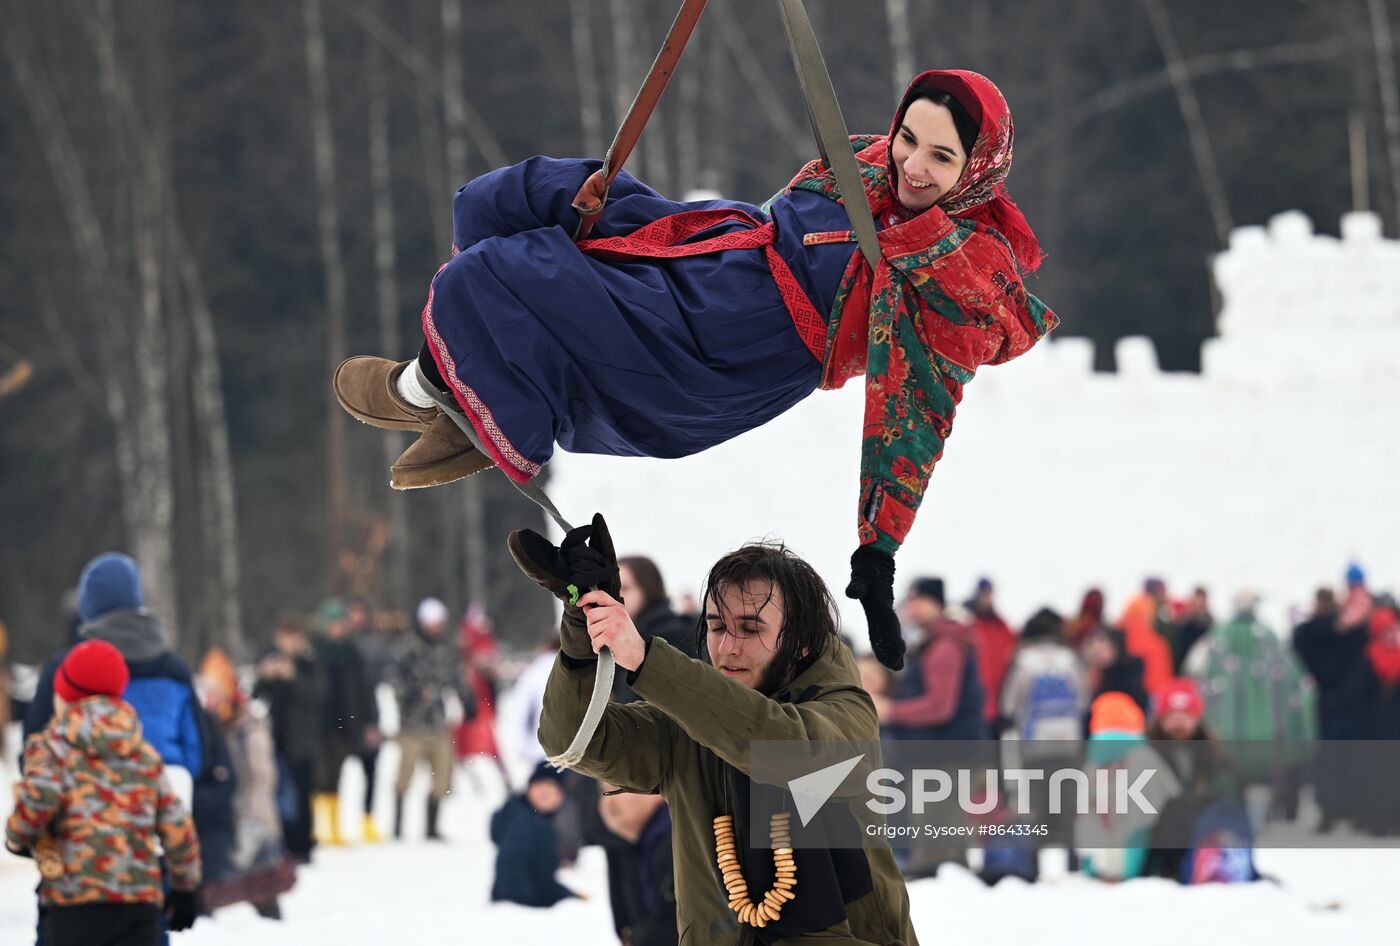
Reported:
(1299, 308)
(1304, 307)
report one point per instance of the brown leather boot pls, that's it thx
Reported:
(365, 387)
(442, 454)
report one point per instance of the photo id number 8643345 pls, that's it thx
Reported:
(1013, 830)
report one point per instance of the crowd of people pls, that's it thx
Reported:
(250, 759)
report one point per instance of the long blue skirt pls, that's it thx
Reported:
(542, 344)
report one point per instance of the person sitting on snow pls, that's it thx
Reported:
(527, 846)
(773, 668)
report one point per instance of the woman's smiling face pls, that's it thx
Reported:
(927, 155)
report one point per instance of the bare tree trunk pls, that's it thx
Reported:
(1123, 93)
(439, 187)
(1360, 167)
(473, 504)
(586, 77)
(429, 80)
(333, 265)
(688, 127)
(901, 29)
(779, 117)
(1050, 220)
(719, 152)
(145, 162)
(453, 101)
(217, 481)
(387, 297)
(979, 31)
(218, 510)
(1390, 94)
(1211, 182)
(103, 293)
(154, 545)
(648, 161)
(625, 70)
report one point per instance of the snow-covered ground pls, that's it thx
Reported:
(421, 893)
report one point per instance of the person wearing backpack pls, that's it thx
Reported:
(1046, 689)
(1043, 700)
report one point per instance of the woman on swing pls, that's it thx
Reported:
(681, 325)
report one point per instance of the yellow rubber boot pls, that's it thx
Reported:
(327, 818)
(335, 839)
(370, 832)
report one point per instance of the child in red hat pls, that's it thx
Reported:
(94, 807)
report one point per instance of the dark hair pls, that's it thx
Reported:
(809, 612)
(648, 577)
(962, 119)
(930, 588)
(289, 624)
(1044, 623)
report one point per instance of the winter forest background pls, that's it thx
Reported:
(206, 206)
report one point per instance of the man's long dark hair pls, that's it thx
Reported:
(809, 612)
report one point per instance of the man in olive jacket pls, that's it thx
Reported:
(773, 669)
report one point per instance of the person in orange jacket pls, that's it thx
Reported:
(1139, 624)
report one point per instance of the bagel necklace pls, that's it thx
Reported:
(761, 912)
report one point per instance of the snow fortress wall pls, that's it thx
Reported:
(1269, 470)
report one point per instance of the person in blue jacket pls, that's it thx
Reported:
(527, 846)
(111, 608)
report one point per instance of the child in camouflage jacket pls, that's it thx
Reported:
(95, 809)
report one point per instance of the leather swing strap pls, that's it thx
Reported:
(828, 125)
(593, 194)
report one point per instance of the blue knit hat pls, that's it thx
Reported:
(110, 582)
(1356, 575)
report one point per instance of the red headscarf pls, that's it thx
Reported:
(980, 194)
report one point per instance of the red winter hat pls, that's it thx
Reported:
(93, 668)
(1180, 696)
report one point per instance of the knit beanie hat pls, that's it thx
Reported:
(931, 588)
(1179, 696)
(431, 612)
(544, 772)
(1116, 712)
(93, 668)
(110, 582)
(329, 611)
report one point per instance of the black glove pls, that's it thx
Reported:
(182, 908)
(583, 561)
(872, 584)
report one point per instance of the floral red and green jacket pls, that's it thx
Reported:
(945, 299)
